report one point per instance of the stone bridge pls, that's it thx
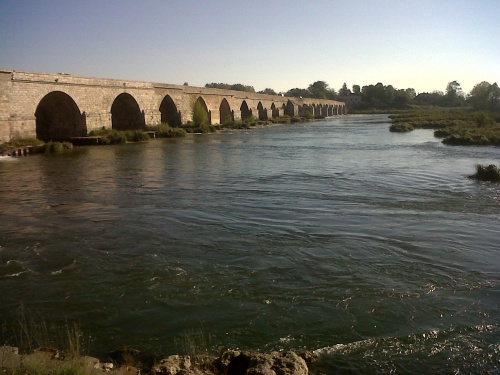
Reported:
(61, 106)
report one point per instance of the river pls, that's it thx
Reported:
(370, 247)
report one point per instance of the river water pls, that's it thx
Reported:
(372, 248)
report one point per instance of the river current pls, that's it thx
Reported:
(374, 249)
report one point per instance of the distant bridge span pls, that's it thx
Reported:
(60, 106)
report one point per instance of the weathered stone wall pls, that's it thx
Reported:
(21, 93)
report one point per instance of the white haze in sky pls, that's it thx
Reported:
(279, 44)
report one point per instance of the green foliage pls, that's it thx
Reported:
(251, 120)
(191, 127)
(483, 119)
(320, 90)
(115, 137)
(56, 147)
(200, 114)
(485, 96)
(466, 139)
(268, 91)
(454, 95)
(401, 127)
(458, 126)
(166, 131)
(295, 119)
(136, 136)
(20, 142)
(282, 120)
(487, 173)
(226, 86)
(299, 93)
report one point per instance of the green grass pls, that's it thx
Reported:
(457, 126)
(20, 142)
(166, 131)
(30, 333)
(115, 137)
(56, 147)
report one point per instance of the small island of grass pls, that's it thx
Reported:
(487, 173)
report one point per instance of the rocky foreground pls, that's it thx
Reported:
(230, 362)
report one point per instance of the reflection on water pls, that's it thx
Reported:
(336, 234)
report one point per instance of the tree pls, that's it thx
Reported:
(200, 114)
(268, 91)
(344, 91)
(485, 96)
(298, 93)
(319, 89)
(454, 94)
(226, 86)
(356, 89)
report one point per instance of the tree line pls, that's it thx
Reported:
(484, 96)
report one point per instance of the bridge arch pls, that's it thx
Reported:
(290, 108)
(126, 114)
(245, 111)
(262, 111)
(330, 110)
(201, 114)
(58, 117)
(275, 112)
(225, 112)
(169, 113)
(324, 110)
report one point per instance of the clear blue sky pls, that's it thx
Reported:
(282, 44)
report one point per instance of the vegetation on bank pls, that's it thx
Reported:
(56, 147)
(18, 143)
(166, 131)
(35, 145)
(115, 137)
(402, 127)
(456, 125)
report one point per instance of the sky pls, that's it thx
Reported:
(280, 44)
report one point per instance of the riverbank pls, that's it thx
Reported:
(128, 361)
(455, 126)
(27, 146)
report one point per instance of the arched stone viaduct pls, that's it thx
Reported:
(59, 106)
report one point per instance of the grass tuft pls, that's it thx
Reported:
(487, 173)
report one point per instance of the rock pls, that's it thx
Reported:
(290, 363)
(9, 357)
(254, 363)
(173, 365)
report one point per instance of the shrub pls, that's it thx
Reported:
(483, 119)
(402, 127)
(136, 136)
(200, 115)
(441, 133)
(466, 139)
(250, 121)
(56, 147)
(20, 142)
(487, 173)
(116, 138)
(295, 120)
(166, 131)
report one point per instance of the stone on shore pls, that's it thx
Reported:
(235, 363)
